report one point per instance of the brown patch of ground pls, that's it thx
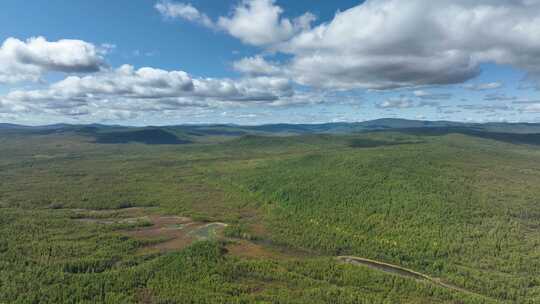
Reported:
(144, 296)
(258, 229)
(170, 231)
(160, 233)
(247, 249)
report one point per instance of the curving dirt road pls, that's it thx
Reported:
(404, 272)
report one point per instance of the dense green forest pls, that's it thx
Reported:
(459, 205)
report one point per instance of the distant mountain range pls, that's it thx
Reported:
(517, 133)
(332, 128)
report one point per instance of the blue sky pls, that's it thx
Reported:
(262, 61)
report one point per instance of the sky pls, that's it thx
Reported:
(159, 62)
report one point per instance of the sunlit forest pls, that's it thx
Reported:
(230, 215)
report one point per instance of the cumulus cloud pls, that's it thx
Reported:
(256, 66)
(184, 11)
(378, 44)
(29, 60)
(309, 97)
(483, 86)
(392, 43)
(149, 89)
(259, 22)
(386, 44)
(396, 103)
(254, 22)
(246, 89)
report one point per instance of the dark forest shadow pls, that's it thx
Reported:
(148, 136)
(372, 143)
(513, 138)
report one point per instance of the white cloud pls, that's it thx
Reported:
(378, 44)
(396, 103)
(432, 96)
(483, 86)
(386, 44)
(259, 22)
(481, 109)
(428, 103)
(29, 60)
(392, 43)
(255, 22)
(184, 11)
(147, 89)
(383, 44)
(256, 66)
(246, 89)
(532, 108)
(304, 98)
(7, 106)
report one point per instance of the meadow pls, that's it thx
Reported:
(461, 207)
